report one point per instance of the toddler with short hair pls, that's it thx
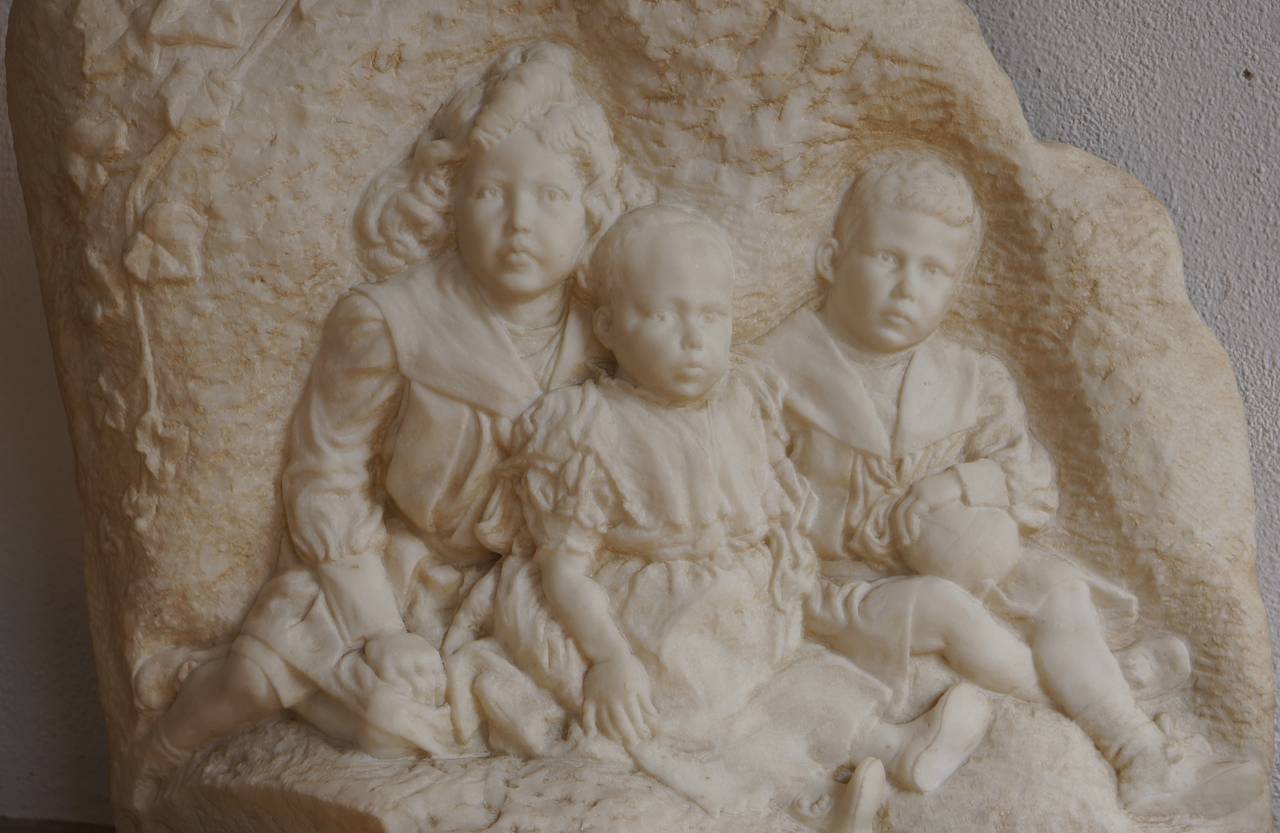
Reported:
(664, 521)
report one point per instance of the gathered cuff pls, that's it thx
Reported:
(360, 597)
(983, 483)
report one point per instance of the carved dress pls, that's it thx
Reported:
(693, 513)
(393, 452)
(949, 408)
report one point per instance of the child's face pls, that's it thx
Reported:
(520, 220)
(669, 323)
(893, 278)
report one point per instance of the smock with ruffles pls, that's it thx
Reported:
(694, 515)
(393, 450)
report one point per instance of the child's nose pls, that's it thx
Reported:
(520, 214)
(692, 339)
(909, 278)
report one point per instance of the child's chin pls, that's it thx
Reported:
(897, 339)
(530, 282)
(685, 390)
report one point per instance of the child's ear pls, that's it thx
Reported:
(824, 261)
(602, 323)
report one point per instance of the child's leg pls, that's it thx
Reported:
(217, 698)
(1086, 681)
(948, 620)
(937, 617)
(1068, 647)
(1081, 674)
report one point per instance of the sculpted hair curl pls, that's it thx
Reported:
(911, 180)
(406, 215)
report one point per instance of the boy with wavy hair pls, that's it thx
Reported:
(923, 462)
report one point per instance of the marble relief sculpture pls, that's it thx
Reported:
(574, 417)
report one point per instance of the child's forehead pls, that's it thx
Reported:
(884, 215)
(923, 186)
(674, 240)
(524, 152)
(672, 289)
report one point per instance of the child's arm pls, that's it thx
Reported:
(330, 499)
(579, 603)
(1003, 441)
(1002, 465)
(616, 697)
(925, 495)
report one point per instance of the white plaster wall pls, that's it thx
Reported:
(1162, 89)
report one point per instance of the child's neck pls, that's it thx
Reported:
(538, 312)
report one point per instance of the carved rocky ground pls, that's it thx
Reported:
(1036, 772)
(191, 171)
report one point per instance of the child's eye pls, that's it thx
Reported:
(486, 192)
(554, 195)
(658, 315)
(887, 257)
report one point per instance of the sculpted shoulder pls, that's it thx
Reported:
(563, 419)
(779, 346)
(355, 327)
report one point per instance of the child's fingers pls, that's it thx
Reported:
(646, 703)
(606, 725)
(589, 718)
(621, 722)
(635, 713)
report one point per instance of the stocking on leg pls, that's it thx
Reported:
(1086, 681)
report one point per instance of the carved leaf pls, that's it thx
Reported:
(200, 23)
(109, 408)
(93, 139)
(161, 443)
(89, 176)
(104, 23)
(140, 508)
(194, 99)
(101, 293)
(169, 246)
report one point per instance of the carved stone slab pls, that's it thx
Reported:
(208, 182)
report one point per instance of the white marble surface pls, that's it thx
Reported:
(1162, 92)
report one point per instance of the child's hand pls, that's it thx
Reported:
(616, 700)
(924, 496)
(408, 662)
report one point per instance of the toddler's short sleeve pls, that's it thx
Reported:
(555, 489)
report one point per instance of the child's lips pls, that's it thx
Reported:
(518, 249)
(518, 257)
